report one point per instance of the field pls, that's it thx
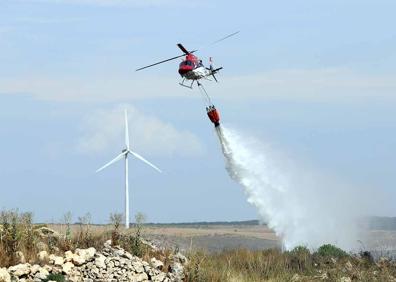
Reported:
(218, 237)
(216, 252)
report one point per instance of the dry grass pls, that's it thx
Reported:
(272, 265)
(17, 233)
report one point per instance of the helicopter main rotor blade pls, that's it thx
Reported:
(164, 61)
(225, 37)
(183, 49)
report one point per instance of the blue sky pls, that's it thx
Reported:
(315, 79)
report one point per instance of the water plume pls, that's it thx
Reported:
(301, 207)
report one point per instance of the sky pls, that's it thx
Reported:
(314, 79)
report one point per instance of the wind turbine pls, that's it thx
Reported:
(124, 154)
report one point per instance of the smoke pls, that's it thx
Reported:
(301, 207)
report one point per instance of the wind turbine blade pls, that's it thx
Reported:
(144, 160)
(119, 157)
(126, 130)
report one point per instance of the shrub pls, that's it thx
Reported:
(84, 235)
(136, 246)
(299, 259)
(329, 250)
(300, 250)
(55, 277)
(13, 235)
(115, 219)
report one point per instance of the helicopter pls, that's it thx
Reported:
(191, 68)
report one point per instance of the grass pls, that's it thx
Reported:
(16, 234)
(296, 265)
(19, 234)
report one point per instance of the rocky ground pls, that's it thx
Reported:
(112, 263)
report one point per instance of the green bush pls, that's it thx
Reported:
(300, 250)
(329, 250)
(299, 259)
(55, 277)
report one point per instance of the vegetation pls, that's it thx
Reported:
(16, 234)
(331, 251)
(296, 265)
(21, 240)
(55, 277)
(135, 241)
(115, 219)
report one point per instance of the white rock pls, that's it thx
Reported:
(42, 274)
(67, 267)
(34, 269)
(87, 254)
(68, 256)
(20, 269)
(119, 252)
(78, 260)
(45, 232)
(138, 267)
(4, 275)
(42, 256)
(160, 277)
(100, 261)
(157, 264)
(127, 255)
(95, 271)
(177, 269)
(56, 260)
(75, 277)
(48, 268)
(141, 277)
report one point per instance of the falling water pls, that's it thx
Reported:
(301, 208)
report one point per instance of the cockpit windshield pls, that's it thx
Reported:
(187, 63)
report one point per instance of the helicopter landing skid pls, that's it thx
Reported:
(187, 86)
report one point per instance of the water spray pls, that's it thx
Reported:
(299, 210)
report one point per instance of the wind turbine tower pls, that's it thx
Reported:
(124, 155)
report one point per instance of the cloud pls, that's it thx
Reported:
(103, 131)
(300, 84)
(313, 85)
(88, 89)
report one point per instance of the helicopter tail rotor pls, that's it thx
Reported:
(212, 70)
